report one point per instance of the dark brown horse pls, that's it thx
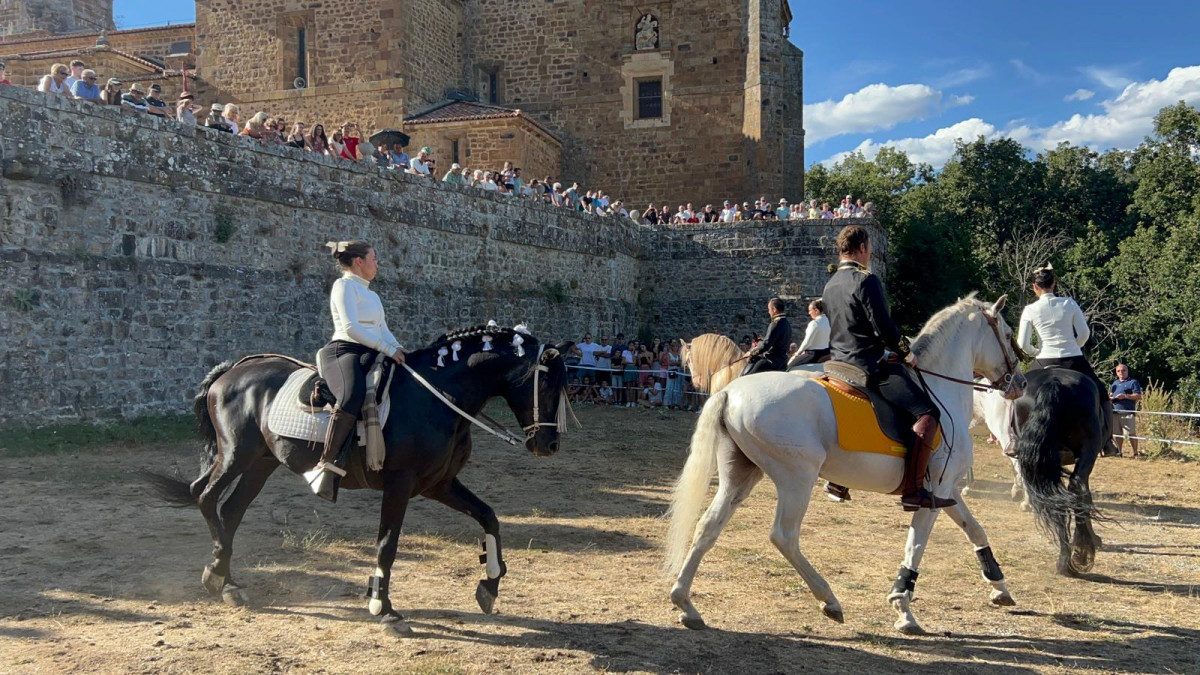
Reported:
(427, 445)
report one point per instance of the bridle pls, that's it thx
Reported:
(1010, 366)
(532, 429)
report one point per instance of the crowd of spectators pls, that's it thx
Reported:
(633, 373)
(348, 142)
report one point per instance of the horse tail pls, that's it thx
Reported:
(687, 499)
(1040, 461)
(172, 489)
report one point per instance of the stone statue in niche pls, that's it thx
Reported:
(647, 33)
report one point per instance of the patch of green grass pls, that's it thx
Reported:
(58, 438)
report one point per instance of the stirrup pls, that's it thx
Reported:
(924, 499)
(324, 479)
(837, 493)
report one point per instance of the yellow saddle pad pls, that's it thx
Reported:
(858, 427)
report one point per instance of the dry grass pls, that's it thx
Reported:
(96, 581)
(1155, 398)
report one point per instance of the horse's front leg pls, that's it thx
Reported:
(397, 489)
(458, 497)
(963, 517)
(902, 591)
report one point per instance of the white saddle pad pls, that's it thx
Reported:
(289, 419)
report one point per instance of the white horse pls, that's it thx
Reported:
(996, 413)
(782, 424)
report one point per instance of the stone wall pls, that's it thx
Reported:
(54, 16)
(136, 253)
(700, 280)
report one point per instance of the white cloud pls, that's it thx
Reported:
(933, 149)
(1027, 71)
(962, 76)
(1126, 119)
(1080, 95)
(1110, 78)
(874, 107)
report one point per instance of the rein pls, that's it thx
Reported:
(1009, 367)
(500, 432)
(506, 436)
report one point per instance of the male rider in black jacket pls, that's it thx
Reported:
(772, 352)
(860, 330)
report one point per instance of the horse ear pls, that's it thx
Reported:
(999, 306)
(564, 346)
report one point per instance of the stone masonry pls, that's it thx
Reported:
(136, 253)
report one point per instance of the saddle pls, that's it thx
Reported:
(866, 421)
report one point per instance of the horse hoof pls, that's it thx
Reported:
(909, 627)
(235, 596)
(1026, 507)
(692, 622)
(213, 583)
(396, 624)
(1003, 599)
(833, 611)
(485, 598)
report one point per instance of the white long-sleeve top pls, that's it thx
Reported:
(816, 334)
(358, 315)
(1061, 329)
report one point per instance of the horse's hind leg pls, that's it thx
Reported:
(737, 477)
(794, 490)
(458, 497)
(231, 512)
(963, 517)
(233, 458)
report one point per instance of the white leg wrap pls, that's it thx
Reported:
(493, 556)
(375, 606)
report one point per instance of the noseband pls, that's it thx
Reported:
(540, 368)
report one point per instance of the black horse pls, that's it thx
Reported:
(427, 445)
(1061, 423)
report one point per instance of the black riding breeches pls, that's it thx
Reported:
(1078, 364)
(896, 383)
(810, 356)
(759, 364)
(342, 366)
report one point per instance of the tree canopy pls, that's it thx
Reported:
(1121, 227)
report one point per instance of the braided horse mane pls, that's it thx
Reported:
(472, 344)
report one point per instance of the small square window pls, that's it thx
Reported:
(649, 99)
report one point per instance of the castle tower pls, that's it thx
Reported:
(55, 17)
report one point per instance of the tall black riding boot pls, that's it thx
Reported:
(327, 475)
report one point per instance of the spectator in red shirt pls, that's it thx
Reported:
(4, 74)
(350, 140)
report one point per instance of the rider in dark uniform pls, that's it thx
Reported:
(861, 329)
(772, 352)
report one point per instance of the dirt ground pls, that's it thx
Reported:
(95, 578)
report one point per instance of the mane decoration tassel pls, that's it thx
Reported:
(487, 343)
(456, 347)
(517, 342)
(442, 356)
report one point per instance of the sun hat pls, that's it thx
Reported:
(217, 107)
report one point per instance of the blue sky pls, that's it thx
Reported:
(919, 75)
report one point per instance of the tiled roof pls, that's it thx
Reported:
(76, 51)
(17, 39)
(459, 111)
(470, 111)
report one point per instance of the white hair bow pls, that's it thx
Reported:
(517, 342)
(442, 356)
(457, 346)
(492, 324)
(337, 246)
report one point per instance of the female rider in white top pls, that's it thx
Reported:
(359, 333)
(815, 347)
(1062, 331)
